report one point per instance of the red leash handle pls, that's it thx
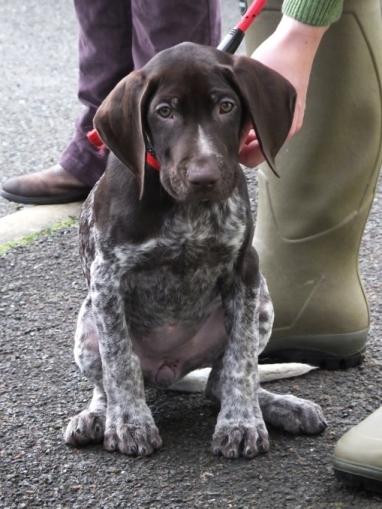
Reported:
(233, 39)
(250, 14)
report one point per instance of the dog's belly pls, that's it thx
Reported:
(170, 352)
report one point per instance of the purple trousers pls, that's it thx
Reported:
(116, 37)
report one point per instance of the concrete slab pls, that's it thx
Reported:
(35, 219)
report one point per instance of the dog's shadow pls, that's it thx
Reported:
(182, 416)
(189, 420)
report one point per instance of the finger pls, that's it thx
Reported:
(250, 155)
(251, 137)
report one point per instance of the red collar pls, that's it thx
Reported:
(152, 161)
(95, 140)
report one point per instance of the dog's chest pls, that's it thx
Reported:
(201, 237)
(170, 284)
(175, 274)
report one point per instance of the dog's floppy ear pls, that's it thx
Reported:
(270, 101)
(119, 122)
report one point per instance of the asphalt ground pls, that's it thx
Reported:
(38, 103)
(41, 291)
(40, 389)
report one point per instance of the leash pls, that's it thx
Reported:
(229, 44)
(235, 36)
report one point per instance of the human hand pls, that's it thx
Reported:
(290, 51)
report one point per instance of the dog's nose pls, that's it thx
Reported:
(203, 177)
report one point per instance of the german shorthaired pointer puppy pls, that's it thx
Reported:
(174, 282)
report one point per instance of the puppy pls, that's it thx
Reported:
(166, 248)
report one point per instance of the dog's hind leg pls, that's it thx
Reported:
(89, 425)
(266, 315)
(287, 412)
(292, 414)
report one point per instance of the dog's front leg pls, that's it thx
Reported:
(129, 427)
(240, 429)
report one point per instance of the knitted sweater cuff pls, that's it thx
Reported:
(316, 12)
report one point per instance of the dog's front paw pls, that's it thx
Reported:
(85, 428)
(234, 439)
(295, 415)
(133, 439)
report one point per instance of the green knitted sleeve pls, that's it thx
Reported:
(313, 12)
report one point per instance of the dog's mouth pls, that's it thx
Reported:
(182, 190)
(201, 196)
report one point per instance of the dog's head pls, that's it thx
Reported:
(194, 103)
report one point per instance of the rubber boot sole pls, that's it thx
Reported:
(316, 358)
(363, 480)
(327, 351)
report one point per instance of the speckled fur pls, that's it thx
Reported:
(176, 269)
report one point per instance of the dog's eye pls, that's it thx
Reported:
(164, 111)
(226, 107)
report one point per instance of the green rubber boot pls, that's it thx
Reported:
(311, 220)
(357, 458)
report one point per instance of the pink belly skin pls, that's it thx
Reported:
(169, 353)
